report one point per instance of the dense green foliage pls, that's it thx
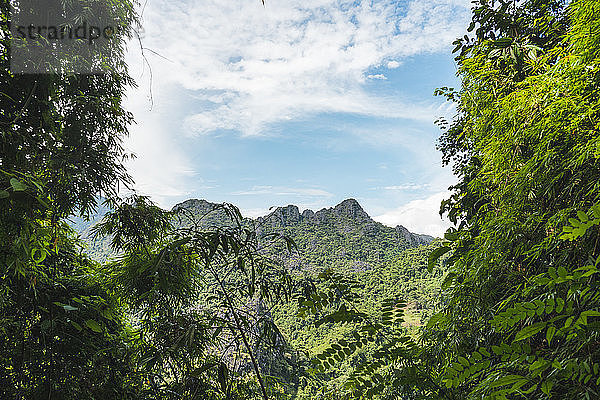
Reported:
(72, 328)
(520, 318)
(310, 329)
(331, 305)
(198, 300)
(378, 261)
(531, 144)
(60, 146)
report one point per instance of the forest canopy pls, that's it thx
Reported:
(187, 310)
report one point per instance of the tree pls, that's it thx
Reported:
(63, 334)
(524, 143)
(174, 315)
(197, 295)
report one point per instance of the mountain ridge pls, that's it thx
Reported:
(342, 234)
(290, 215)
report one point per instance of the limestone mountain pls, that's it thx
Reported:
(344, 216)
(340, 236)
(387, 261)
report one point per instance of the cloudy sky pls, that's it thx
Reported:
(295, 102)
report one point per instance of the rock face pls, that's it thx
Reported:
(346, 216)
(343, 236)
(197, 204)
(413, 239)
(202, 212)
(282, 217)
(351, 209)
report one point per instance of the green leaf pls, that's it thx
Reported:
(76, 326)
(451, 236)
(93, 325)
(17, 185)
(507, 380)
(582, 216)
(484, 351)
(457, 366)
(546, 387)
(538, 364)
(4, 194)
(434, 319)
(449, 280)
(529, 331)
(568, 322)
(223, 372)
(435, 255)
(550, 334)
(590, 313)
(199, 371)
(560, 303)
(562, 272)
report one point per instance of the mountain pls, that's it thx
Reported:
(344, 236)
(347, 214)
(378, 261)
(348, 211)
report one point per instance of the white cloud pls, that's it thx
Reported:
(419, 216)
(160, 168)
(255, 212)
(239, 66)
(408, 186)
(283, 191)
(377, 76)
(393, 64)
(250, 66)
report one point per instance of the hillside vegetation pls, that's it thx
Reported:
(381, 262)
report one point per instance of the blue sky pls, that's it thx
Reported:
(298, 102)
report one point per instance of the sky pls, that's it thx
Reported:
(295, 102)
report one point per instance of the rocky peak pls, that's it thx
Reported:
(284, 216)
(308, 214)
(348, 211)
(290, 214)
(204, 213)
(196, 204)
(351, 209)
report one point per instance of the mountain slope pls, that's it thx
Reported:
(344, 236)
